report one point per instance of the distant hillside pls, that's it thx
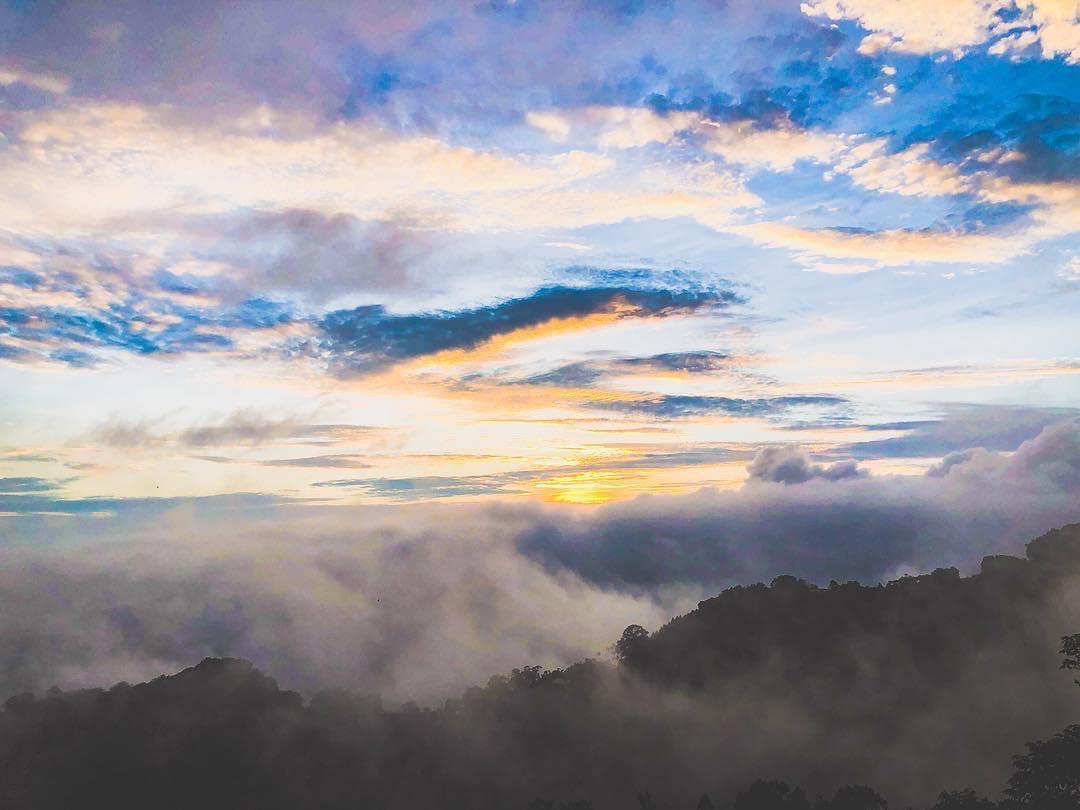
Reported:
(925, 684)
(895, 635)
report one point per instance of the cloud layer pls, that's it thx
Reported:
(422, 602)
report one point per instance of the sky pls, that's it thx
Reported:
(783, 271)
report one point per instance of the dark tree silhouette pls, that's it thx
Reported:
(771, 795)
(630, 645)
(1047, 777)
(962, 800)
(855, 797)
(1070, 648)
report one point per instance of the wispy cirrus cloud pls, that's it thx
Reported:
(673, 406)
(245, 428)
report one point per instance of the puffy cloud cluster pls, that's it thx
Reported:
(1053, 456)
(925, 27)
(789, 465)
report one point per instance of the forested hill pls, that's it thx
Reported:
(896, 635)
(926, 684)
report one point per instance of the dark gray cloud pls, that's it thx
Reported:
(694, 362)
(1054, 455)
(245, 427)
(340, 460)
(788, 464)
(572, 375)
(670, 406)
(588, 372)
(961, 427)
(314, 254)
(824, 522)
(21, 484)
(369, 338)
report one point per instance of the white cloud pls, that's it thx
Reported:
(935, 26)
(1058, 25)
(909, 172)
(613, 127)
(79, 166)
(1014, 44)
(104, 167)
(778, 149)
(1070, 271)
(889, 248)
(49, 82)
(741, 143)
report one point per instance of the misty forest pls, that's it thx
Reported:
(935, 691)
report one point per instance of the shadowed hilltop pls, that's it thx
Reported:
(923, 685)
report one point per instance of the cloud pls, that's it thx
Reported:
(788, 464)
(960, 428)
(337, 460)
(834, 524)
(920, 27)
(408, 608)
(316, 254)
(742, 142)
(27, 515)
(585, 373)
(153, 583)
(23, 484)
(909, 172)
(614, 127)
(48, 82)
(697, 362)
(369, 338)
(573, 375)
(776, 148)
(1070, 271)
(62, 334)
(265, 159)
(434, 486)
(671, 406)
(566, 483)
(1053, 455)
(247, 428)
(432, 67)
(892, 247)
